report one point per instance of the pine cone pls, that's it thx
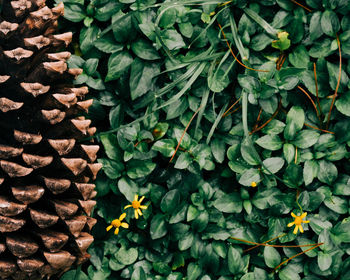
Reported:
(45, 174)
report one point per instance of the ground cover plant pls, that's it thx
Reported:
(225, 128)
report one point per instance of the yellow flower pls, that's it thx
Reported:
(253, 184)
(136, 204)
(298, 220)
(117, 223)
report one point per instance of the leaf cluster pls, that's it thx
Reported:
(150, 66)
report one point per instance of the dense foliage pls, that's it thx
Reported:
(239, 171)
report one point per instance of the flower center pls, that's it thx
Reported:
(298, 221)
(136, 204)
(116, 223)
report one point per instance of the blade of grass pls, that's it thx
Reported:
(204, 102)
(259, 20)
(216, 123)
(242, 51)
(177, 96)
(173, 99)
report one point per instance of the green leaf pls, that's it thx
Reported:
(315, 26)
(186, 29)
(283, 43)
(183, 161)
(123, 27)
(249, 154)
(113, 169)
(141, 77)
(126, 256)
(235, 261)
(128, 188)
(172, 39)
(108, 44)
(249, 176)
(272, 257)
(333, 71)
(337, 204)
(274, 127)
(161, 268)
(229, 203)
(158, 228)
(270, 142)
(288, 152)
(88, 37)
(299, 57)
(310, 171)
(144, 49)
(139, 168)
(193, 271)
(273, 165)
(139, 274)
(111, 149)
(186, 242)
(327, 173)
(343, 104)
(74, 274)
(170, 201)
(294, 123)
(168, 18)
(118, 63)
(306, 139)
(116, 116)
(105, 12)
(341, 231)
(74, 12)
(218, 149)
(165, 146)
(324, 260)
(260, 42)
(293, 175)
(330, 23)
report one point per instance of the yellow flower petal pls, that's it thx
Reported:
(124, 225)
(122, 216)
(303, 215)
(295, 231)
(127, 206)
(142, 198)
(290, 224)
(136, 197)
(293, 215)
(139, 211)
(136, 214)
(143, 207)
(306, 222)
(301, 229)
(109, 228)
(116, 231)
